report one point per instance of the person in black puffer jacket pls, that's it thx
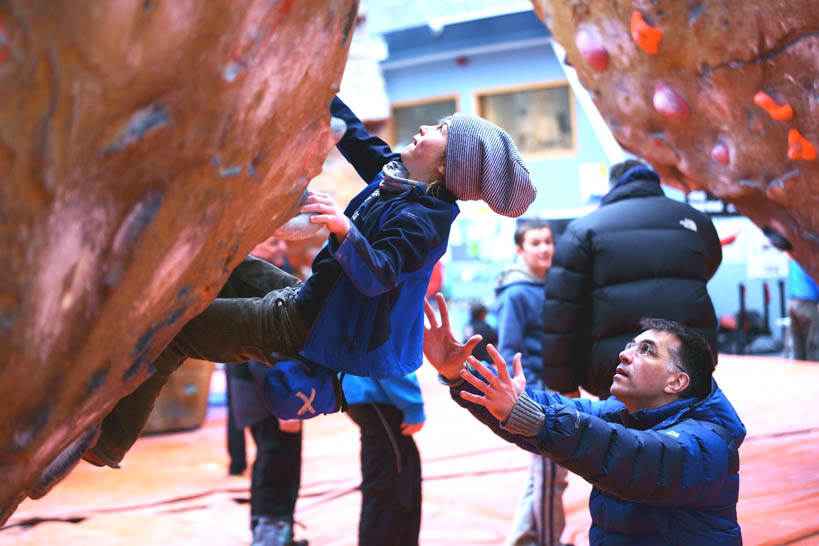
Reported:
(640, 254)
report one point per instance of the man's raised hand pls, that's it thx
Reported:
(444, 352)
(499, 392)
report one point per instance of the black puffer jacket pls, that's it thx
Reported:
(640, 254)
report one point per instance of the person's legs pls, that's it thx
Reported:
(248, 323)
(800, 325)
(549, 484)
(276, 474)
(391, 478)
(411, 480)
(237, 451)
(524, 527)
(812, 339)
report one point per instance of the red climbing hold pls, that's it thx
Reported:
(669, 103)
(645, 35)
(720, 153)
(799, 147)
(591, 47)
(779, 113)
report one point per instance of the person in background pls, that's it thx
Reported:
(388, 412)
(539, 517)
(477, 325)
(276, 474)
(640, 254)
(803, 296)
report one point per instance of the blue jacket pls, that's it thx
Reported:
(519, 307)
(664, 476)
(402, 392)
(800, 285)
(366, 295)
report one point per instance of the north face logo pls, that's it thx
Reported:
(688, 223)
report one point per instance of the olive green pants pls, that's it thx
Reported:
(254, 316)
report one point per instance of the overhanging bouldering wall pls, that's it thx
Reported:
(721, 96)
(145, 147)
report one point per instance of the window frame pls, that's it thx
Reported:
(391, 127)
(573, 150)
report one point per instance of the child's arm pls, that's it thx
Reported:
(367, 153)
(409, 236)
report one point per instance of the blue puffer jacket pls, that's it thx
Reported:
(365, 298)
(664, 476)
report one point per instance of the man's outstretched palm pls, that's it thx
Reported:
(444, 352)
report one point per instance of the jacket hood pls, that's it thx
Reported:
(634, 186)
(513, 274)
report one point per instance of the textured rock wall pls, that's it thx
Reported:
(145, 147)
(716, 95)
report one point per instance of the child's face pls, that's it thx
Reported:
(424, 156)
(537, 249)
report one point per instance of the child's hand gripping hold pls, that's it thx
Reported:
(327, 212)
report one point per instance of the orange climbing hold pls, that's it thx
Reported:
(645, 35)
(779, 113)
(799, 147)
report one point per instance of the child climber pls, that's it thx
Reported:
(361, 312)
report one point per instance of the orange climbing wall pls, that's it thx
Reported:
(720, 96)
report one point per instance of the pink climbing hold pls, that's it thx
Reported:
(591, 47)
(669, 103)
(721, 153)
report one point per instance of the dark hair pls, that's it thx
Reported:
(776, 239)
(528, 225)
(619, 169)
(693, 355)
(476, 310)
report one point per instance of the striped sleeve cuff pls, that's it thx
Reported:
(527, 417)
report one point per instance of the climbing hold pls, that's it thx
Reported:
(799, 147)
(645, 35)
(591, 47)
(779, 113)
(669, 103)
(721, 153)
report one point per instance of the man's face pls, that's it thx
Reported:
(647, 371)
(423, 157)
(271, 249)
(536, 250)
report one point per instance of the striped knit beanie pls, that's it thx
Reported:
(482, 162)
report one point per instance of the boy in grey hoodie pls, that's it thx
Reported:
(539, 517)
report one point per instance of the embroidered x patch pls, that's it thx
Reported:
(307, 402)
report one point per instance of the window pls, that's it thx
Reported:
(408, 116)
(539, 118)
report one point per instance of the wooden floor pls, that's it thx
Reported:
(173, 488)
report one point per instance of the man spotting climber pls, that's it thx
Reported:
(661, 452)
